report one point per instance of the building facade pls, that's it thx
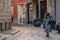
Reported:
(57, 10)
(26, 11)
(51, 6)
(18, 13)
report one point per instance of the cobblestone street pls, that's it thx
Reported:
(33, 33)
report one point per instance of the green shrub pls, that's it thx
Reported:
(37, 22)
(52, 23)
(58, 27)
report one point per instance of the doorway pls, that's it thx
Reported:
(29, 14)
(21, 13)
(43, 8)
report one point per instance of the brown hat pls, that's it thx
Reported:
(48, 14)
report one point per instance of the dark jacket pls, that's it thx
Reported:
(47, 25)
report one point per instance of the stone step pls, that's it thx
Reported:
(5, 21)
(5, 18)
(7, 15)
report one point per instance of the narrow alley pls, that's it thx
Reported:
(33, 33)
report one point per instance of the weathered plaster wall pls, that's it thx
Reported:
(5, 10)
(15, 7)
(58, 10)
(5, 15)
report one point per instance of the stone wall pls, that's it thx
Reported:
(5, 14)
(58, 11)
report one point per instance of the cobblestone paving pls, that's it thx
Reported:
(4, 36)
(34, 33)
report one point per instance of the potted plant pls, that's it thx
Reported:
(52, 23)
(58, 27)
(37, 22)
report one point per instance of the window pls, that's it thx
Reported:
(11, 2)
(30, 6)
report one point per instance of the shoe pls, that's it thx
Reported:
(47, 36)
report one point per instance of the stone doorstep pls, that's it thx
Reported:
(8, 32)
(2, 38)
(15, 24)
(12, 32)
